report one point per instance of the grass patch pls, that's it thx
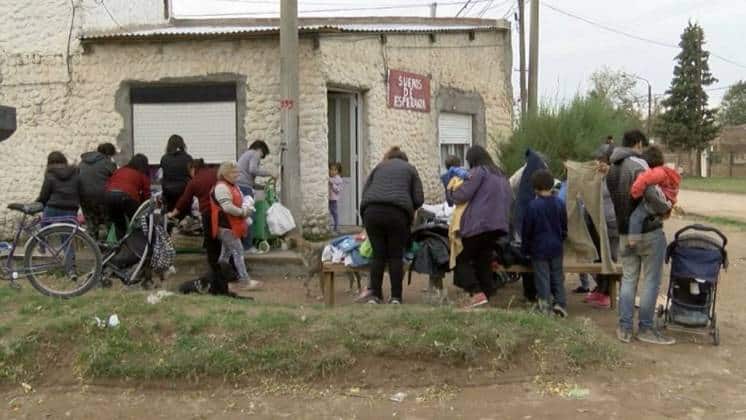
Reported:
(715, 184)
(194, 337)
(720, 221)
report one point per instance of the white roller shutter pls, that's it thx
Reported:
(454, 128)
(208, 129)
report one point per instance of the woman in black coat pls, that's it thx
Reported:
(392, 193)
(175, 167)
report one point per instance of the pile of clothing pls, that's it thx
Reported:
(350, 250)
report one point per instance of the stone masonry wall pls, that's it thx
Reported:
(75, 113)
(481, 65)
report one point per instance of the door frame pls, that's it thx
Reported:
(359, 146)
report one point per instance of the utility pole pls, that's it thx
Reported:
(533, 59)
(522, 52)
(434, 10)
(650, 103)
(291, 194)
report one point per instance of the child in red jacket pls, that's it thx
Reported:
(659, 176)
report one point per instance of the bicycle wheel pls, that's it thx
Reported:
(62, 261)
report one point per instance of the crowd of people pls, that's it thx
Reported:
(638, 195)
(108, 197)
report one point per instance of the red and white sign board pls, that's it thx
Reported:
(409, 91)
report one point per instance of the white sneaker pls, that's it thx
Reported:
(252, 250)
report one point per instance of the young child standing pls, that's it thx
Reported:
(543, 232)
(659, 176)
(454, 168)
(335, 189)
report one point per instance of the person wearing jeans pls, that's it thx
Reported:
(249, 166)
(646, 259)
(626, 165)
(543, 232)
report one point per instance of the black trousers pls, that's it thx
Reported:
(219, 285)
(171, 195)
(473, 271)
(388, 230)
(120, 207)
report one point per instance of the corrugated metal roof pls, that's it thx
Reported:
(213, 30)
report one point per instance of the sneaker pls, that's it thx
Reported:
(477, 300)
(625, 336)
(249, 285)
(559, 310)
(652, 336)
(373, 300)
(252, 250)
(603, 302)
(394, 301)
(580, 290)
(592, 297)
(364, 296)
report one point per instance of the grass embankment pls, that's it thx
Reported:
(188, 338)
(725, 185)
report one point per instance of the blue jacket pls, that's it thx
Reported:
(525, 188)
(449, 174)
(544, 228)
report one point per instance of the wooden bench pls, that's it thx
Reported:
(328, 270)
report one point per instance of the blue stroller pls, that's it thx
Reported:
(697, 254)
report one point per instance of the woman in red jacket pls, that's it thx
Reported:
(127, 188)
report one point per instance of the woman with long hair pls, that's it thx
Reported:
(484, 221)
(175, 167)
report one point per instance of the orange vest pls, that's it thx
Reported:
(237, 224)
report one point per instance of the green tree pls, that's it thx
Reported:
(568, 131)
(617, 87)
(687, 123)
(733, 106)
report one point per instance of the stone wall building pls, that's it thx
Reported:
(78, 79)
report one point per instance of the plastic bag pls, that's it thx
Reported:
(366, 249)
(279, 220)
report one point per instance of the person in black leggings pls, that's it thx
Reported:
(392, 193)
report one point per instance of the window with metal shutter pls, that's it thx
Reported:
(454, 135)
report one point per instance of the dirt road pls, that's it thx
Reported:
(690, 380)
(732, 206)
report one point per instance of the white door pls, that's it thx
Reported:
(454, 135)
(342, 113)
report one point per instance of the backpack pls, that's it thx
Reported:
(164, 251)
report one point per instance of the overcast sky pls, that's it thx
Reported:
(570, 49)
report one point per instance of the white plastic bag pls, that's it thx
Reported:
(279, 220)
(248, 203)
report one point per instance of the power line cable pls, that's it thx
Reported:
(108, 12)
(629, 35)
(331, 10)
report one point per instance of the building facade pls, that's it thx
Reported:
(431, 86)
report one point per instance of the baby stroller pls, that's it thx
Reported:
(145, 249)
(696, 254)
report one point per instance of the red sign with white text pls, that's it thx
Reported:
(409, 91)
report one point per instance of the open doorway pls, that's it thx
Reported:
(343, 115)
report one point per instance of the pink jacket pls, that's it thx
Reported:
(335, 187)
(663, 176)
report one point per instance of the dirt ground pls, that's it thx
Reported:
(690, 380)
(714, 204)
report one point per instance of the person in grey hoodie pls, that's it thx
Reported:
(626, 166)
(95, 170)
(249, 167)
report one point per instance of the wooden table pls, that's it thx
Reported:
(328, 270)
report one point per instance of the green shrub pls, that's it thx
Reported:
(571, 131)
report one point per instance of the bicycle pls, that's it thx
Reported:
(60, 259)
